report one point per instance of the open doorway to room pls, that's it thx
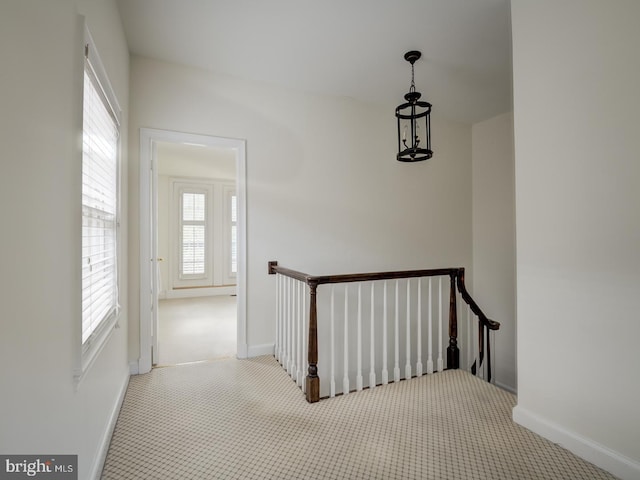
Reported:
(192, 248)
(197, 252)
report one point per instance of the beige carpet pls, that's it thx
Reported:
(245, 419)
(196, 329)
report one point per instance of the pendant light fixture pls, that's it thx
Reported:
(414, 124)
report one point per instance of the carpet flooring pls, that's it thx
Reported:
(196, 329)
(246, 419)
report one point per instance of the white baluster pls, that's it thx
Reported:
(300, 334)
(359, 364)
(287, 328)
(419, 317)
(486, 351)
(396, 367)
(480, 346)
(292, 325)
(300, 337)
(440, 366)
(476, 347)
(332, 388)
(479, 364)
(492, 339)
(476, 350)
(372, 360)
(407, 366)
(345, 378)
(385, 371)
(303, 365)
(278, 328)
(277, 345)
(281, 301)
(294, 320)
(430, 334)
(469, 339)
(283, 322)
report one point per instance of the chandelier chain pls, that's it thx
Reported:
(413, 83)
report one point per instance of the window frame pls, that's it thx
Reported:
(88, 350)
(206, 226)
(218, 247)
(178, 281)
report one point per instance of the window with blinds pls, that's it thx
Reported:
(99, 207)
(193, 224)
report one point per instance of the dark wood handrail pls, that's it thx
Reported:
(457, 272)
(287, 272)
(359, 277)
(457, 278)
(487, 322)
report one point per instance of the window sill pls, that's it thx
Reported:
(90, 351)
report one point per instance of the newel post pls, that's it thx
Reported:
(453, 353)
(313, 382)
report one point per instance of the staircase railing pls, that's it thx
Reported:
(393, 325)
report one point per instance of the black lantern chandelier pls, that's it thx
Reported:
(414, 124)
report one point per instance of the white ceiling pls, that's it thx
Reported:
(350, 48)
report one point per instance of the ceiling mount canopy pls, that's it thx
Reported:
(414, 123)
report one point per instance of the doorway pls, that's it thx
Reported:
(197, 253)
(162, 278)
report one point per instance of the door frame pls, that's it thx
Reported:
(149, 234)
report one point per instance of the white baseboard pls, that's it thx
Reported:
(259, 350)
(243, 351)
(619, 465)
(103, 448)
(133, 368)
(200, 292)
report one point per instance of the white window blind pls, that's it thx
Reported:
(193, 235)
(99, 207)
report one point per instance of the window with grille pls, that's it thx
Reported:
(202, 232)
(193, 236)
(100, 159)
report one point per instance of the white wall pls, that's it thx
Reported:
(325, 193)
(42, 411)
(576, 104)
(494, 237)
